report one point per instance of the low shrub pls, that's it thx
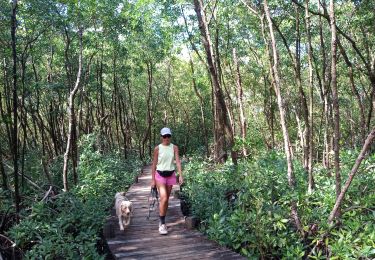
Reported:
(256, 220)
(69, 225)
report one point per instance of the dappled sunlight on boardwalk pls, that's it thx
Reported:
(141, 240)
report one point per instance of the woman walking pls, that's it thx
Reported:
(165, 159)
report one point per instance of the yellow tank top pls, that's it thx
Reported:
(165, 158)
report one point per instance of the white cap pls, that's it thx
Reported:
(165, 131)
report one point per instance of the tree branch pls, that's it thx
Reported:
(254, 11)
(346, 36)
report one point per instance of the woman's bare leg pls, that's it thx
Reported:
(163, 196)
(164, 193)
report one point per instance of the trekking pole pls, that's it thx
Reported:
(154, 197)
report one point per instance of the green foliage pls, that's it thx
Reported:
(257, 222)
(69, 225)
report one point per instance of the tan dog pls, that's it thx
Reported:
(124, 209)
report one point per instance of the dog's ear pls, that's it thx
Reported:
(131, 207)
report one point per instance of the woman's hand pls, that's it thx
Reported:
(180, 179)
(153, 184)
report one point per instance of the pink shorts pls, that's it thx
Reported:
(166, 180)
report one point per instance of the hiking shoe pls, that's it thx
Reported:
(163, 229)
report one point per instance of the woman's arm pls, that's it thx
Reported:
(154, 163)
(178, 164)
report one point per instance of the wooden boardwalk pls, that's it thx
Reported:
(141, 240)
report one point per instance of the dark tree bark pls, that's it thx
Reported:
(147, 136)
(116, 99)
(222, 126)
(269, 110)
(123, 119)
(101, 111)
(5, 109)
(2, 171)
(335, 99)
(17, 197)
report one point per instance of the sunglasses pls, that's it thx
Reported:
(166, 136)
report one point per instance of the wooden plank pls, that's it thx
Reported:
(141, 240)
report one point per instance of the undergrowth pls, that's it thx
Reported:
(247, 208)
(68, 225)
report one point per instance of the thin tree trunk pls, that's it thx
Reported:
(280, 102)
(335, 100)
(134, 118)
(303, 109)
(311, 184)
(68, 67)
(2, 170)
(52, 131)
(269, 110)
(362, 127)
(167, 96)
(123, 127)
(102, 112)
(74, 147)
(71, 113)
(116, 100)
(6, 112)
(229, 103)
(305, 113)
(23, 116)
(372, 97)
(243, 122)
(201, 102)
(336, 209)
(44, 164)
(149, 117)
(15, 107)
(147, 135)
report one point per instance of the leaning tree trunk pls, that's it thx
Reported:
(71, 114)
(362, 124)
(15, 106)
(370, 138)
(280, 102)
(335, 100)
(222, 126)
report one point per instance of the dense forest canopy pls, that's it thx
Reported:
(232, 78)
